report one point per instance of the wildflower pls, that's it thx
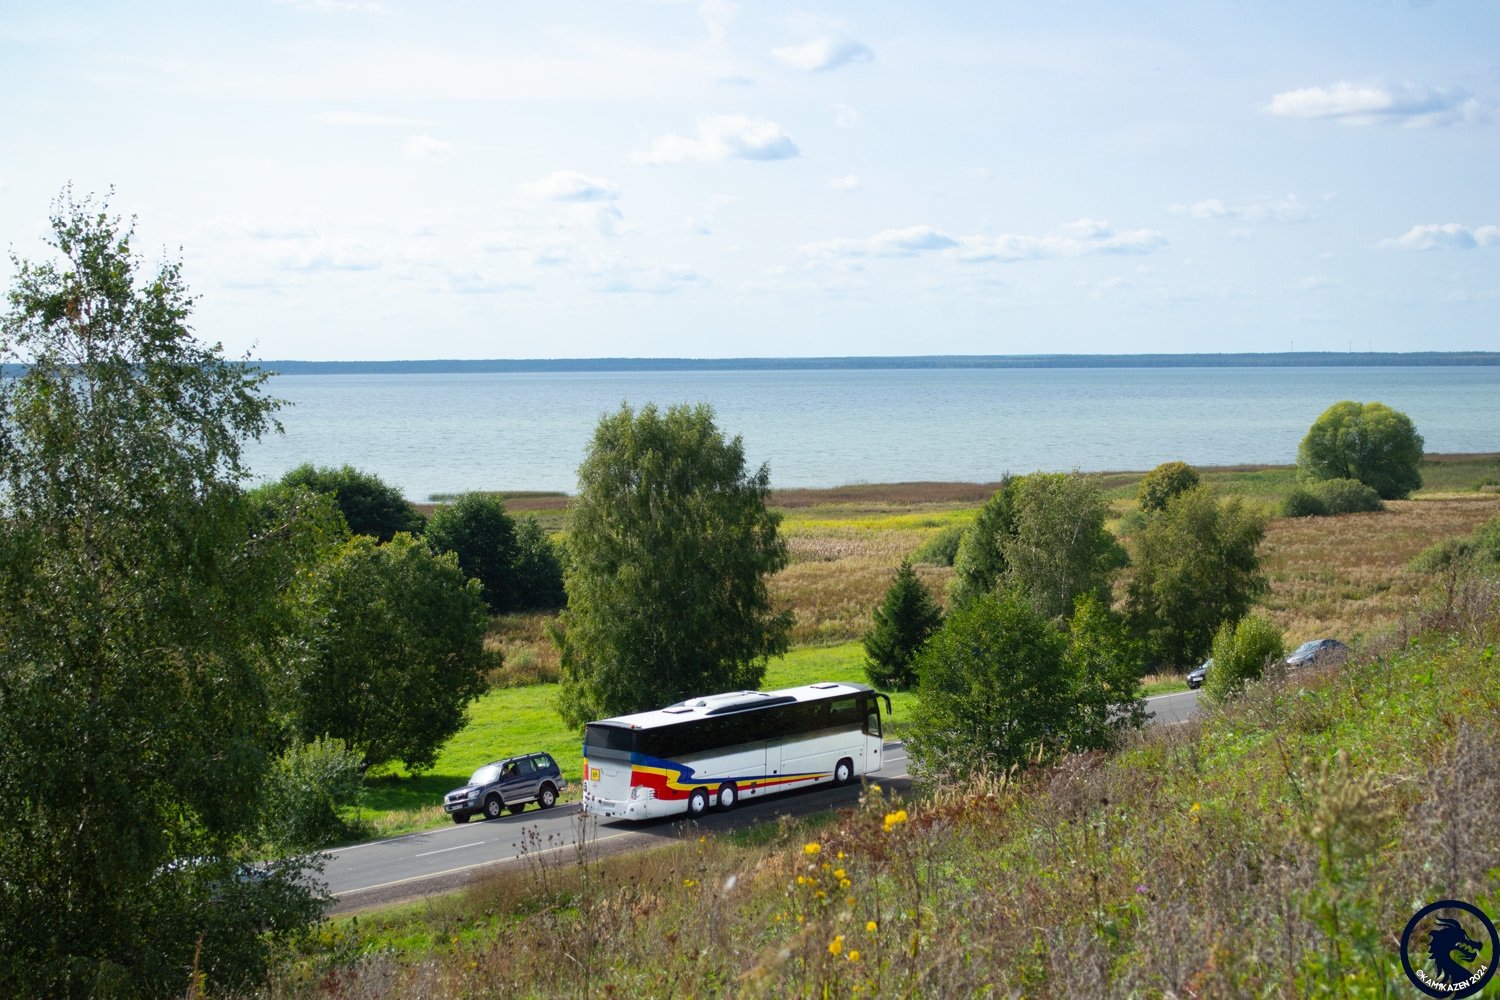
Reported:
(849, 900)
(836, 945)
(839, 873)
(1140, 890)
(871, 926)
(843, 883)
(799, 918)
(841, 855)
(1193, 812)
(821, 894)
(801, 879)
(811, 848)
(854, 954)
(826, 865)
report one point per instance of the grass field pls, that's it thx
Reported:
(1343, 577)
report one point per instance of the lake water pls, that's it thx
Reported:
(454, 432)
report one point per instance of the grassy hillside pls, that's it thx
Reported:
(1275, 848)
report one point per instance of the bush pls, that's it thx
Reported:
(903, 623)
(942, 548)
(370, 505)
(306, 792)
(1163, 483)
(1479, 550)
(995, 688)
(1240, 653)
(478, 530)
(539, 568)
(1348, 496)
(1369, 442)
(1298, 502)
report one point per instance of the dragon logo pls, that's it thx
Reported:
(1460, 965)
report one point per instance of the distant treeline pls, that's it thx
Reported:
(1284, 359)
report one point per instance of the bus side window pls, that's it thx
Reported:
(844, 712)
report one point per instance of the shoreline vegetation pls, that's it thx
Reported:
(1343, 577)
(1270, 359)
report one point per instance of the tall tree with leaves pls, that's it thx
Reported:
(671, 545)
(370, 505)
(477, 529)
(1060, 550)
(1369, 442)
(1195, 565)
(980, 563)
(903, 623)
(145, 606)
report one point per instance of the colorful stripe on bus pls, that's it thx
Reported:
(670, 780)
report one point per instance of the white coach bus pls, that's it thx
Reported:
(726, 747)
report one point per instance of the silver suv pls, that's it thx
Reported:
(507, 784)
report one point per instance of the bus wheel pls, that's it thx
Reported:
(697, 802)
(843, 772)
(728, 796)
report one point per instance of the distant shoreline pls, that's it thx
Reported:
(1284, 359)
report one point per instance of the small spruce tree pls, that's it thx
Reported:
(904, 622)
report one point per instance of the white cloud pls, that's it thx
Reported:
(906, 242)
(622, 276)
(327, 255)
(848, 184)
(1075, 239)
(722, 137)
(845, 116)
(1451, 236)
(363, 118)
(824, 53)
(570, 185)
(256, 228)
(1264, 210)
(1369, 104)
(425, 147)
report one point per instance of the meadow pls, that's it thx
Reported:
(1342, 577)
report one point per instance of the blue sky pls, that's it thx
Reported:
(464, 179)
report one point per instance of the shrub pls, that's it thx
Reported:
(995, 687)
(1479, 550)
(903, 623)
(1240, 652)
(539, 568)
(1298, 502)
(942, 548)
(1370, 442)
(306, 792)
(1347, 496)
(478, 530)
(1165, 482)
(370, 505)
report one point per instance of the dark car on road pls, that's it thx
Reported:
(507, 784)
(1317, 651)
(1195, 676)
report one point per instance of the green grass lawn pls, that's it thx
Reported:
(522, 720)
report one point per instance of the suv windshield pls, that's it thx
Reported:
(1308, 646)
(485, 775)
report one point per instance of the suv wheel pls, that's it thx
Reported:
(516, 807)
(460, 817)
(493, 807)
(547, 798)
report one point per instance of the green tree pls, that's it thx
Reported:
(903, 623)
(1195, 566)
(1105, 665)
(995, 688)
(1369, 442)
(309, 788)
(980, 562)
(539, 567)
(146, 608)
(400, 654)
(1241, 651)
(1163, 483)
(1059, 549)
(370, 505)
(671, 545)
(476, 528)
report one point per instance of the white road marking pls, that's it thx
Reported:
(445, 850)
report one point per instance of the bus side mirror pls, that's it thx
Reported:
(887, 699)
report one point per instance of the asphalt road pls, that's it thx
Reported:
(382, 872)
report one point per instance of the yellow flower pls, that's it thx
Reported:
(854, 954)
(849, 900)
(821, 894)
(801, 879)
(843, 883)
(836, 945)
(799, 918)
(811, 848)
(871, 926)
(826, 865)
(841, 855)
(839, 873)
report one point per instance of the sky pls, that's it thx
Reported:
(346, 179)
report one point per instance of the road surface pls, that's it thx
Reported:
(382, 872)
